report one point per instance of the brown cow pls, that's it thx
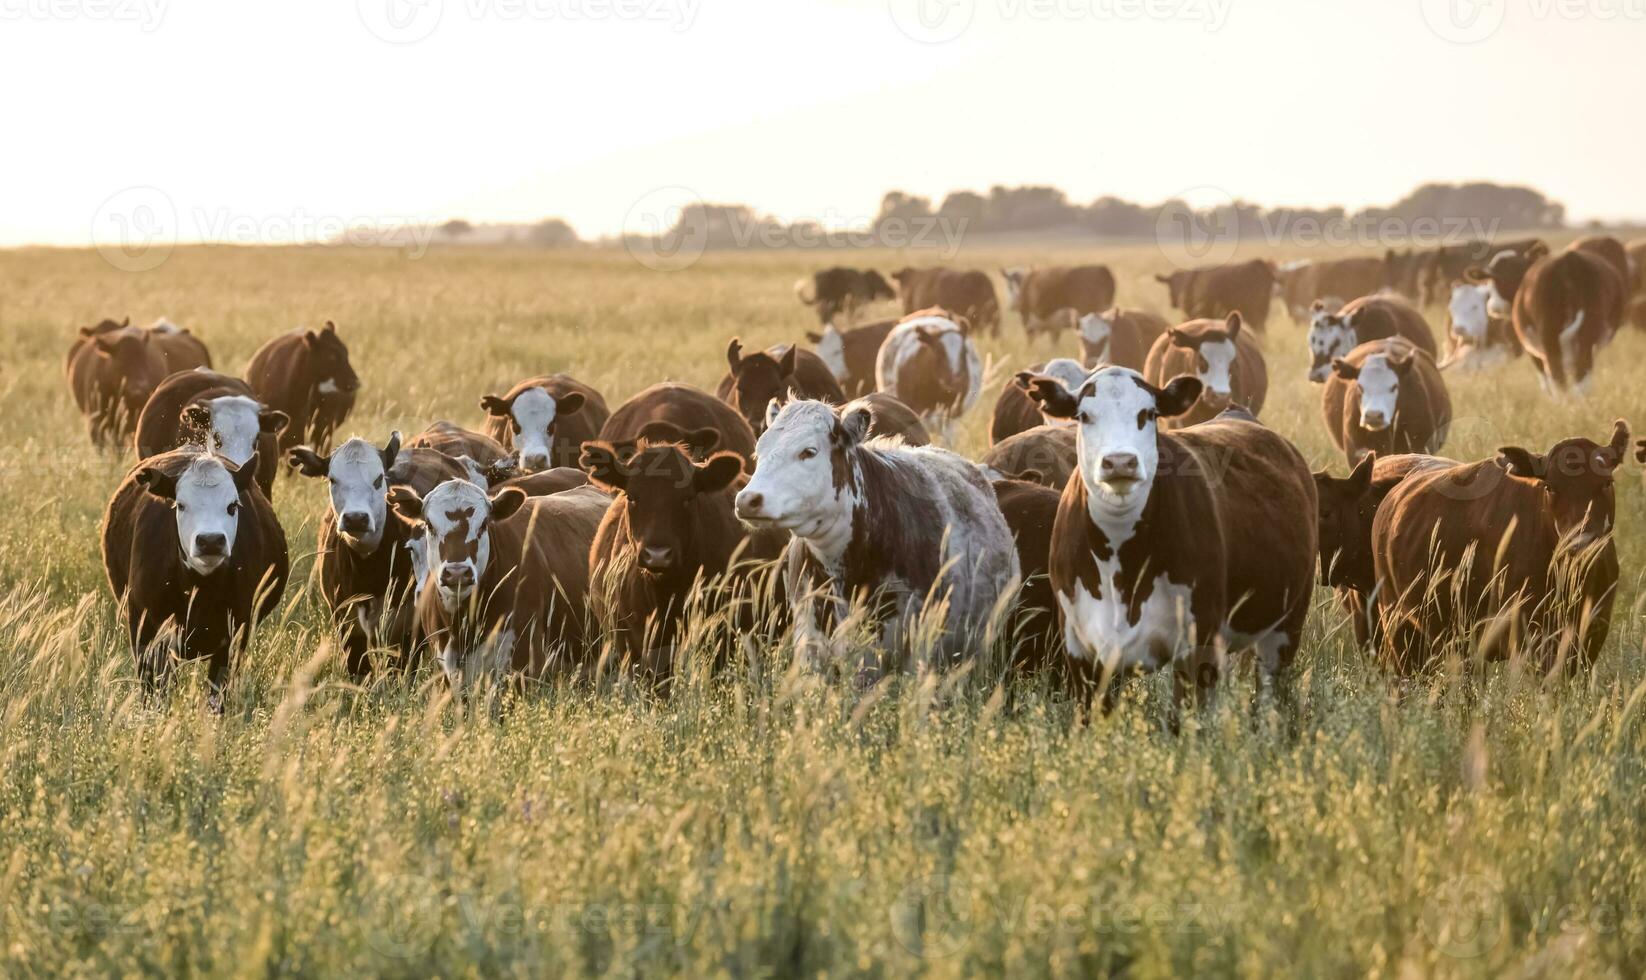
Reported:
(1215, 292)
(839, 292)
(506, 590)
(1119, 337)
(1402, 273)
(1386, 397)
(1332, 284)
(1015, 411)
(1564, 307)
(1172, 548)
(112, 370)
(756, 379)
(1334, 335)
(307, 375)
(967, 292)
(544, 421)
(685, 407)
(1439, 267)
(850, 354)
(888, 417)
(929, 363)
(194, 557)
(1225, 359)
(1514, 552)
(1044, 298)
(216, 412)
(1044, 454)
(455, 441)
(1030, 509)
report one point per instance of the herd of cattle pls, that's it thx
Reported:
(1130, 514)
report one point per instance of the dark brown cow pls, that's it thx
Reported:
(850, 354)
(1505, 554)
(112, 370)
(685, 407)
(1564, 307)
(215, 412)
(194, 557)
(1223, 356)
(1386, 397)
(544, 421)
(546, 482)
(1119, 337)
(1046, 298)
(1438, 267)
(967, 292)
(754, 380)
(1015, 411)
(840, 290)
(307, 375)
(1030, 509)
(668, 536)
(1332, 284)
(506, 590)
(456, 441)
(1334, 335)
(1171, 548)
(1045, 454)
(1215, 292)
(1402, 272)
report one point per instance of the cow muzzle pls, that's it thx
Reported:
(1374, 421)
(356, 523)
(457, 579)
(657, 559)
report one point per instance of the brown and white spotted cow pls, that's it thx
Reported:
(1052, 299)
(685, 407)
(1565, 307)
(544, 421)
(194, 557)
(1504, 554)
(1214, 292)
(1476, 340)
(930, 364)
(1173, 548)
(1333, 335)
(1439, 267)
(850, 354)
(1223, 356)
(967, 292)
(1015, 411)
(755, 379)
(114, 368)
(1044, 454)
(215, 412)
(888, 418)
(307, 375)
(1331, 283)
(1386, 397)
(839, 292)
(1119, 337)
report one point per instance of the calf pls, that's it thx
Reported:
(1474, 338)
(929, 364)
(544, 421)
(1522, 541)
(1043, 298)
(968, 292)
(215, 412)
(1386, 397)
(1175, 547)
(307, 375)
(838, 292)
(113, 369)
(1015, 411)
(755, 380)
(1331, 284)
(1222, 356)
(1044, 454)
(684, 407)
(1119, 337)
(508, 577)
(1564, 308)
(850, 354)
(1030, 509)
(194, 557)
(1334, 335)
(1216, 292)
(877, 520)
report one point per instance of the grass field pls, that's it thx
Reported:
(761, 822)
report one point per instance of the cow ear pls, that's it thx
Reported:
(1232, 325)
(1537, 251)
(331, 328)
(964, 324)
(126, 322)
(1179, 395)
(1055, 399)
(661, 430)
(390, 452)
(311, 338)
(1402, 366)
(853, 427)
(717, 473)
(702, 441)
(603, 462)
(785, 366)
(1163, 280)
(773, 409)
(734, 354)
(505, 502)
(308, 462)
(1615, 450)
(1520, 462)
(1475, 274)
(1180, 339)
(406, 503)
(569, 404)
(272, 421)
(1023, 379)
(196, 417)
(106, 344)
(1640, 451)
(245, 473)
(157, 482)
(1319, 306)
(495, 406)
(1030, 475)
(1344, 370)
(1361, 479)
(814, 337)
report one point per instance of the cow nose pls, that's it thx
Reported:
(1374, 420)
(533, 462)
(749, 504)
(456, 577)
(215, 543)
(356, 522)
(1119, 466)
(656, 559)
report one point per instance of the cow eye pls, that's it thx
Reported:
(1085, 417)
(808, 453)
(377, 484)
(234, 508)
(181, 507)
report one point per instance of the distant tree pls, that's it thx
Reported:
(897, 207)
(552, 233)
(456, 228)
(967, 207)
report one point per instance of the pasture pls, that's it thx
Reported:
(762, 820)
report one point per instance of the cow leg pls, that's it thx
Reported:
(217, 676)
(354, 632)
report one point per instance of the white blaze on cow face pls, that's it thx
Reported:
(1379, 385)
(534, 412)
(1095, 331)
(1117, 449)
(793, 486)
(207, 506)
(1216, 358)
(1469, 309)
(236, 422)
(456, 542)
(359, 494)
(831, 347)
(1329, 337)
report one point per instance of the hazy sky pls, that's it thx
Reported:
(275, 121)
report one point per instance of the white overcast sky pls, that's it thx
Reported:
(278, 115)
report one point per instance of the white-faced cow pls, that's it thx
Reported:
(888, 418)
(215, 412)
(544, 421)
(1119, 337)
(1015, 411)
(929, 364)
(850, 354)
(1386, 397)
(755, 379)
(1223, 356)
(1048, 300)
(114, 368)
(307, 375)
(1476, 340)
(1335, 334)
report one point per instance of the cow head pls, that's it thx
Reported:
(1379, 378)
(1330, 337)
(1177, 285)
(1215, 346)
(230, 425)
(533, 414)
(879, 288)
(138, 365)
(757, 379)
(1117, 441)
(1096, 330)
(660, 485)
(1347, 507)
(329, 362)
(358, 474)
(1503, 275)
(1468, 311)
(1071, 373)
(804, 477)
(1015, 278)
(831, 347)
(1577, 476)
(455, 522)
(205, 498)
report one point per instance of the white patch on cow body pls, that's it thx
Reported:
(359, 486)
(455, 497)
(1568, 350)
(534, 412)
(1329, 337)
(832, 350)
(236, 424)
(1379, 393)
(206, 502)
(1469, 309)
(164, 325)
(1097, 628)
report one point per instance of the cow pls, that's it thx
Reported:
(838, 292)
(1510, 553)
(1475, 339)
(1335, 334)
(1331, 284)
(1030, 509)
(1176, 547)
(929, 364)
(544, 421)
(667, 540)
(1438, 267)
(850, 354)
(754, 380)
(194, 557)
(1015, 411)
(1222, 356)
(216, 412)
(506, 587)
(307, 375)
(1044, 298)
(455, 441)
(873, 519)
(967, 292)
(1119, 337)
(685, 407)
(1044, 454)
(1386, 397)
(1564, 307)
(1214, 292)
(545, 482)
(888, 418)
(1402, 273)
(114, 368)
